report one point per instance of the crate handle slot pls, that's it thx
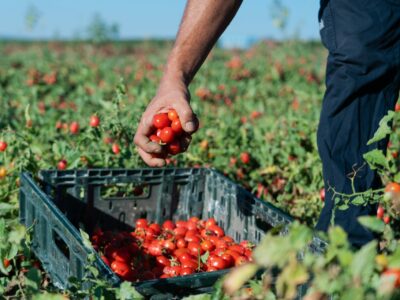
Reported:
(61, 244)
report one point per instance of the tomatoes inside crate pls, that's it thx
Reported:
(196, 209)
(172, 249)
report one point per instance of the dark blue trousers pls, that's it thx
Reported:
(362, 84)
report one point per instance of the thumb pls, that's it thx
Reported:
(188, 119)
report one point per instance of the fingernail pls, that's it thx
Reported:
(189, 126)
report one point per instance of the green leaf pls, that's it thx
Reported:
(343, 207)
(372, 223)
(86, 239)
(375, 159)
(363, 261)
(383, 129)
(359, 200)
(127, 292)
(33, 279)
(204, 257)
(337, 236)
(47, 296)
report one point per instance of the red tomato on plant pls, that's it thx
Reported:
(115, 148)
(74, 127)
(395, 274)
(386, 219)
(392, 187)
(94, 121)
(245, 157)
(3, 146)
(380, 212)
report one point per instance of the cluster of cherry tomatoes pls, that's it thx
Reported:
(173, 249)
(168, 131)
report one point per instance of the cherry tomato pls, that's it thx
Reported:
(245, 157)
(395, 274)
(180, 251)
(207, 245)
(174, 148)
(173, 115)
(141, 223)
(169, 245)
(3, 146)
(194, 219)
(62, 164)
(180, 231)
(168, 225)
(177, 127)
(322, 194)
(218, 231)
(228, 259)
(161, 121)
(218, 263)
(392, 187)
(237, 248)
(155, 249)
(154, 138)
(181, 243)
(211, 269)
(380, 212)
(195, 249)
(6, 263)
(167, 135)
(120, 268)
(386, 219)
(192, 239)
(94, 121)
(74, 127)
(184, 257)
(186, 271)
(162, 260)
(240, 260)
(115, 148)
(190, 263)
(210, 222)
(122, 255)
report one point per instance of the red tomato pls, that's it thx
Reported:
(195, 249)
(122, 255)
(169, 245)
(386, 219)
(240, 260)
(3, 146)
(181, 223)
(173, 115)
(245, 157)
(237, 248)
(395, 274)
(62, 164)
(228, 239)
(192, 239)
(186, 271)
(180, 251)
(228, 259)
(165, 276)
(218, 231)
(94, 121)
(167, 135)
(218, 263)
(168, 225)
(192, 226)
(207, 245)
(74, 127)
(155, 249)
(210, 222)
(6, 263)
(194, 219)
(161, 121)
(174, 148)
(184, 257)
(121, 269)
(247, 245)
(115, 148)
(322, 194)
(177, 127)
(380, 212)
(181, 243)
(173, 271)
(181, 231)
(155, 139)
(211, 269)
(141, 223)
(392, 187)
(191, 263)
(162, 260)
(150, 234)
(221, 244)
(213, 239)
(156, 228)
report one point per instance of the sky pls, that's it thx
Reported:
(146, 19)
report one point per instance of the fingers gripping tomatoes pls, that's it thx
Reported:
(168, 132)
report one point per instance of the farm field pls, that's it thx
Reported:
(258, 110)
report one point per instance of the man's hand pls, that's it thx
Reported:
(171, 94)
(202, 24)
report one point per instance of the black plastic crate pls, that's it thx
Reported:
(64, 201)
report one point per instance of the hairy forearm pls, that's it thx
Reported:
(202, 24)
